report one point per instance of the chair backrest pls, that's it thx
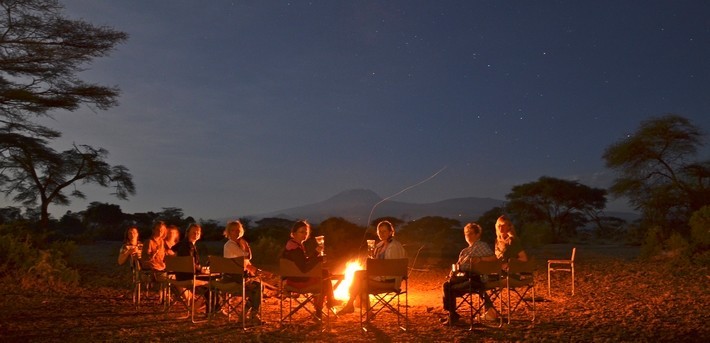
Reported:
(219, 264)
(487, 267)
(179, 264)
(574, 251)
(516, 266)
(288, 268)
(387, 267)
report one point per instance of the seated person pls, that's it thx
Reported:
(153, 256)
(130, 247)
(296, 252)
(387, 248)
(508, 245)
(476, 251)
(237, 246)
(187, 247)
(171, 238)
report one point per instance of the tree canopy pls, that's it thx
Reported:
(658, 170)
(41, 56)
(564, 205)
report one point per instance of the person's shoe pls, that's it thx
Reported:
(255, 319)
(452, 319)
(491, 314)
(347, 309)
(318, 316)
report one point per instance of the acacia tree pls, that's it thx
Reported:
(659, 173)
(41, 55)
(564, 205)
(31, 171)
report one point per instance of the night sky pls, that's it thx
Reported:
(232, 108)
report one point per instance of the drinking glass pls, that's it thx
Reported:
(321, 243)
(140, 250)
(371, 248)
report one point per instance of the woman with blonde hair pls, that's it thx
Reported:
(508, 244)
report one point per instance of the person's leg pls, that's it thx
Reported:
(354, 292)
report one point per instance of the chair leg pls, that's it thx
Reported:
(572, 267)
(549, 294)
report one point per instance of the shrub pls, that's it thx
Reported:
(700, 227)
(635, 234)
(652, 243)
(678, 250)
(50, 270)
(15, 254)
(267, 250)
(34, 266)
(536, 234)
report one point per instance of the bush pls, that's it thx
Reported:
(700, 227)
(536, 234)
(15, 254)
(678, 250)
(652, 243)
(36, 267)
(267, 250)
(635, 235)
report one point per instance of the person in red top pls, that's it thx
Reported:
(296, 252)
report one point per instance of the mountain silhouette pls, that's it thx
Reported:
(355, 205)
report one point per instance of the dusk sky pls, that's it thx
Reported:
(232, 108)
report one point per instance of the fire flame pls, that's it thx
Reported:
(342, 292)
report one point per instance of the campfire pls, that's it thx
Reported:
(341, 293)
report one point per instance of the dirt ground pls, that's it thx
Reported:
(616, 299)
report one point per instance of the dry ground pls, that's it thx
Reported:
(617, 299)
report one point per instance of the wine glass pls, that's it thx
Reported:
(321, 243)
(371, 248)
(139, 253)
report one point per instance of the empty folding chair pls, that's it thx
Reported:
(393, 283)
(561, 266)
(520, 280)
(227, 283)
(302, 296)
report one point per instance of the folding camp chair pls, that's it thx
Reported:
(561, 266)
(227, 282)
(146, 279)
(520, 280)
(392, 273)
(302, 296)
(484, 270)
(185, 289)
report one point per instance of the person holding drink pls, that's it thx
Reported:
(387, 248)
(296, 252)
(476, 252)
(131, 246)
(237, 246)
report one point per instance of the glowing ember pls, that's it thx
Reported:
(341, 292)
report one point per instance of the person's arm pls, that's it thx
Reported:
(123, 254)
(395, 250)
(304, 263)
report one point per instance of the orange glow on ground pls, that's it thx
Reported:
(341, 293)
